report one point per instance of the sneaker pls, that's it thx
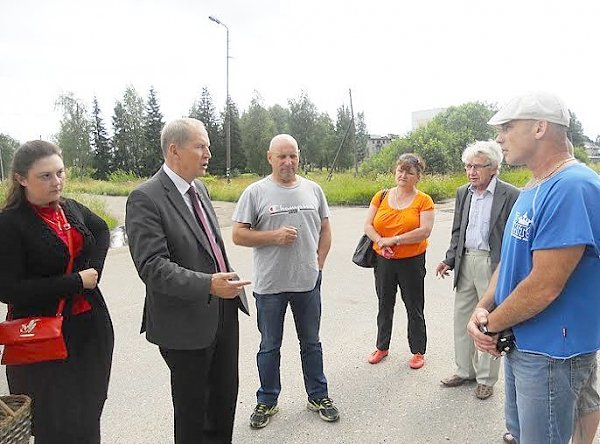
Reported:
(262, 415)
(326, 408)
(377, 356)
(417, 361)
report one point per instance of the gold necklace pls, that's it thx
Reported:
(554, 170)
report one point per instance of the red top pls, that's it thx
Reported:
(54, 219)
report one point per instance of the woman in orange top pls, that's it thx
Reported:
(399, 225)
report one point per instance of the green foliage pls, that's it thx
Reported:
(8, 146)
(576, 131)
(100, 144)
(302, 124)
(74, 135)
(581, 155)
(151, 156)
(258, 129)
(440, 142)
(129, 135)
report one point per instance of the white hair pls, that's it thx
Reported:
(488, 149)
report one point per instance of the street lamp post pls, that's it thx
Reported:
(227, 113)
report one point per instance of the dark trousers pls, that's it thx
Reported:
(409, 275)
(204, 384)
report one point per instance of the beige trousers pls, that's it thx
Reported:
(474, 277)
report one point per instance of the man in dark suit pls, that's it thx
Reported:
(480, 213)
(192, 297)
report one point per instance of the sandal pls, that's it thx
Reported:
(509, 438)
(483, 391)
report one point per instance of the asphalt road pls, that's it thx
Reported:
(384, 403)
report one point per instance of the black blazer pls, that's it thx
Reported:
(504, 198)
(33, 258)
(174, 259)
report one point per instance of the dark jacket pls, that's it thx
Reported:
(504, 198)
(174, 259)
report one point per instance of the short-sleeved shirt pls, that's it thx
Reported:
(266, 205)
(390, 222)
(563, 211)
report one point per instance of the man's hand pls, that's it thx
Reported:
(483, 342)
(286, 235)
(226, 285)
(442, 270)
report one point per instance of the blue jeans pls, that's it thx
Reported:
(541, 395)
(306, 308)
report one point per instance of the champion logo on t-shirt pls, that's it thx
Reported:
(281, 209)
(521, 227)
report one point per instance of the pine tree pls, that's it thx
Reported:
(100, 143)
(153, 123)
(204, 110)
(238, 157)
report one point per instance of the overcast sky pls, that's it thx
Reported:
(396, 56)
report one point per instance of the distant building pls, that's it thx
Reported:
(375, 143)
(593, 151)
(422, 118)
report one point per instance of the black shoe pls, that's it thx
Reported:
(326, 408)
(261, 415)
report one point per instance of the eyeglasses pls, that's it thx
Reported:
(476, 166)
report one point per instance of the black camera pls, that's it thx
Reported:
(506, 339)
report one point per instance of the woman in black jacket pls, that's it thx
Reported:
(35, 227)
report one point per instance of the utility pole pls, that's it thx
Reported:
(227, 111)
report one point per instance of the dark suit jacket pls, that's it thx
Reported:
(174, 259)
(505, 196)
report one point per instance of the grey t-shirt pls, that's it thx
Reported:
(266, 205)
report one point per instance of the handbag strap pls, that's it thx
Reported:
(383, 193)
(71, 248)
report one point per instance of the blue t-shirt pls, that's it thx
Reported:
(561, 212)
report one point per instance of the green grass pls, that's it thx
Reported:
(93, 203)
(342, 189)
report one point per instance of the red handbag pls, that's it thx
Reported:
(36, 338)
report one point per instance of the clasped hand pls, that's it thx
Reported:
(483, 342)
(286, 235)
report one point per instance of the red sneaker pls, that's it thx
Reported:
(377, 356)
(417, 361)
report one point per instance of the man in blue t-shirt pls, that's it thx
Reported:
(546, 288)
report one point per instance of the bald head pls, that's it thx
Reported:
(282, 140)
(283, 155)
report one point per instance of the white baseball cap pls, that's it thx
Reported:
(533, 106)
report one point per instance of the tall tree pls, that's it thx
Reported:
(153, 122)
(325, 136)
(203, 109)
(74, 134)
(238, 156)
(576, 131)
(258, 129)
(302, 122)
(362, 137)
(344, 131)
(8, 146)
(281, 118)
(128, 125)
(100, 144)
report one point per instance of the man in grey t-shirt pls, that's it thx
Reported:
(285, 218)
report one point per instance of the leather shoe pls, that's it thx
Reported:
(417, 361)
(377, 356)
(483, 391)
(454, 381)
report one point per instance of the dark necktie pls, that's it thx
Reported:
(201, 217)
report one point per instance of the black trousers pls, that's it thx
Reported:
(204, 384)
(409, 275)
